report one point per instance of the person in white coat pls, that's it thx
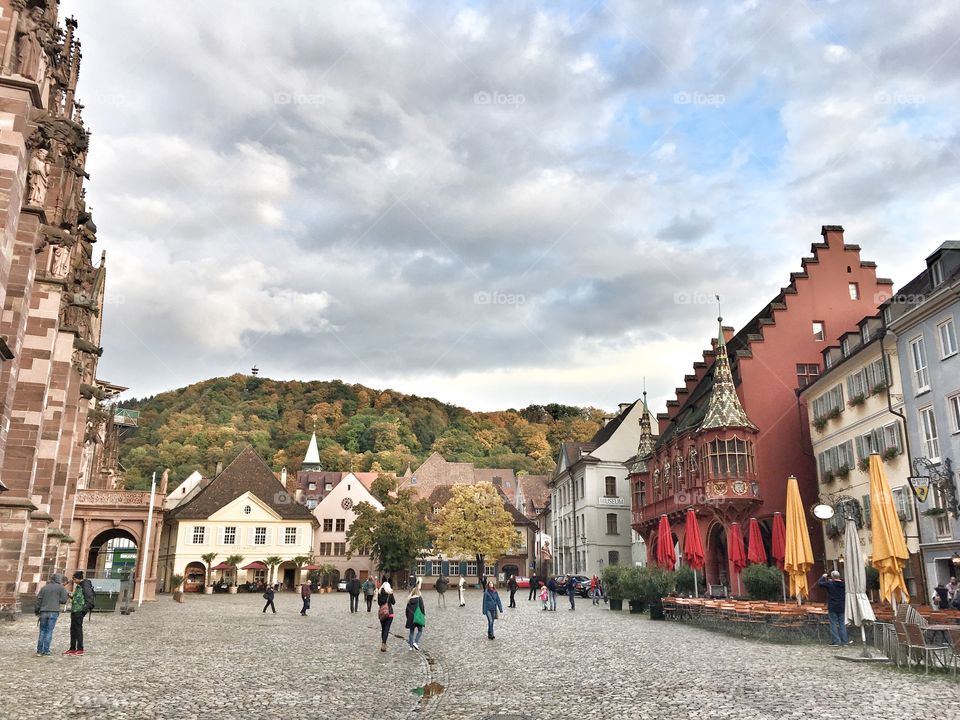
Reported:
(460, 588)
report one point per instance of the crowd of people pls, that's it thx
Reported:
(946, 596)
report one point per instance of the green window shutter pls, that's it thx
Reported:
(866, 510)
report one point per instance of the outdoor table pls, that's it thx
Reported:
(935, 630)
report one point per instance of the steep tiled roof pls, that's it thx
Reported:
(535, 489)
(247, 473)
(724, 409)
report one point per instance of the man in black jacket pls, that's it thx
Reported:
(836, 607)
(534, 584)
(353, 587)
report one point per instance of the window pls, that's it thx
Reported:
(865, 334)
(610, 486)
(413, 479)
(613, 557)
(838, 459)
(828, 402)
(928, 434)
(290, 536)
(880, 439)
(341, 524)
(936, 272)
(941, 523)
(247, 510)
(806, 374)
(901, 500)
(582, 488)
(818, 332)
(471, 568)
(325, 548)
(230, 535)
(641, 493)
(953, 404)
(730, 458)
(612, 524)
(327, 486)
(887, 315)
(854, 289)
(311, 486)
(489, 570)
(857, 384)
(948, 338)
(845, 346)
(311, 504)
(198, 535)
(421, 568)
(339, 549)
(918, 355)
(328, 524)
(828, 360)
(260, 536)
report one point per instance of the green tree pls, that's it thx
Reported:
(474, 522)
(235, 561)
(208, 559)
(272, 563)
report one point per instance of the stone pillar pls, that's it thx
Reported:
(14, 519)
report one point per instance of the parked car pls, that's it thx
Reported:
(342, 586)
(581, 584)
(523, 581)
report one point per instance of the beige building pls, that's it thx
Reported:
(243, 511)
(849, 416)
(335, 515)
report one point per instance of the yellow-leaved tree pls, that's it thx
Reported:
(474, 522)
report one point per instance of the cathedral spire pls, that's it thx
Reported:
(647, 442)
(724, 409)
(311, 461)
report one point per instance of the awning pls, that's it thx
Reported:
(255, 565)
(311, 567)
(222, 566)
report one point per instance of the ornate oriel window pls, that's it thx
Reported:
(641, 493)
(730, 458)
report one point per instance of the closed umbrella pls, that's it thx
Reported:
(738, 558)
(756, 552)
(889, 546)
(798, 555)
(693, 547)
(665, 554)
(858, 605)
(778, 548)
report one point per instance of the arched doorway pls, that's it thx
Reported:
(350, 574)
(286, 575)
(113, 554)
(716, 562)
(194, 575)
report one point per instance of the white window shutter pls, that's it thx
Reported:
(221, 533)
(250, 535)
(269, 536)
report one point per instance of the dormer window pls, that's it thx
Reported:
(865, 334)
(413, 479)
(311, 486)
(845, 346)
(936, 272)
(887, 315)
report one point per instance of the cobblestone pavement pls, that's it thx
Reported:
(218, 656)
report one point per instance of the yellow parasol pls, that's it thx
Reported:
(798, 556)
(889, 546)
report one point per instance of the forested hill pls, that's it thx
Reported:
(358, 428)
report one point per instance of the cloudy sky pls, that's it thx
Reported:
(496, 204)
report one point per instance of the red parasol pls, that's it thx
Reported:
(311, 567)
(223, 566)
(693, 543)
(665, 555)
(779, 549)
(756, 552)
(735, 552)
(255, 565)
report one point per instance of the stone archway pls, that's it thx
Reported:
(112, 552)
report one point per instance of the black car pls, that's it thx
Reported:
(581, 584)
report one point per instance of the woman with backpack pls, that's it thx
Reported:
(416, 615)
(385, 601)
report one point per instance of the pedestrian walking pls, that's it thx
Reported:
(305, 593)
(595, 589)
(552, 589)
(353, 588)
(512, 587)
(952, 588)
(416, 615)
(268, 596)
(534, 586)
(441, 587)
(572, 592)
(50, 600)
(81, 602)
(491, 604)
(385, 601)
(543, 595)
(369, 588)
(836, 607)
(460, 587)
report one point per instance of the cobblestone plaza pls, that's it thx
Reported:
(218, 656)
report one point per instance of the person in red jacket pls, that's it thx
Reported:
(305, 595)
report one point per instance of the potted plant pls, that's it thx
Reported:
(857, 400)
(208, 580)
(761, 581)
(890, 453)
(880, 387)
(683, 580)
(864, 464)
(934, 511)
(235, 561)
(833, 414)
(612, 578)
(176, 582)
(842, 471)
(820, 423)
(658, 584)
(631, 585)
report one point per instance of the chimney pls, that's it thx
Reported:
(623, 406)
(219, 469)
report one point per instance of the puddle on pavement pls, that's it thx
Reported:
(431, 689)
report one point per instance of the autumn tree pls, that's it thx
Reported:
(474, 522)
(396, 536)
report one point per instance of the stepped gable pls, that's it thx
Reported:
(689, 413)
(247, 473)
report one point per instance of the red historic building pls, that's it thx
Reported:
(736, 430)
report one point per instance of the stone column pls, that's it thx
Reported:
(14, 519)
